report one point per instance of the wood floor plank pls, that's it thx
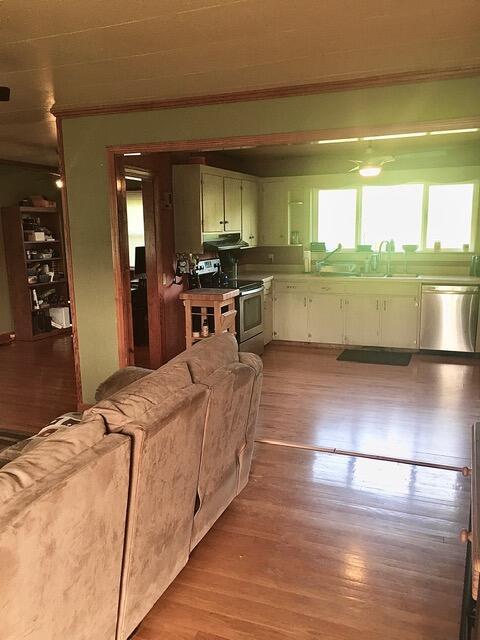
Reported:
(317, 548)
(421, 412)
(36, 383)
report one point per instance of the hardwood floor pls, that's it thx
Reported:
(325, 546)
(422, 412)
(36, 383)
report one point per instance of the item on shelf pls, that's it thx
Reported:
(205, 329)
(32, 279)
(295, 237)
(410, 248)
(437, 245)
(35, 299)
(318, 246)
(35, 236)
(364, 247)
(42, 202)
(60, 317)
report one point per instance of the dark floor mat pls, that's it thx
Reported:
(369, 356)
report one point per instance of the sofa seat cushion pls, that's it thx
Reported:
(132, 402)
(118, 380)
(208, 355)
(43, 455)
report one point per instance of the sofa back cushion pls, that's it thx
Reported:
(208, 355)
(62, 537)
(118, 380)
(41, 456)
(135, 400)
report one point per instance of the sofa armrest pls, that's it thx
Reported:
(251, 360)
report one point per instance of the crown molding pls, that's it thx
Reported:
(407, 77)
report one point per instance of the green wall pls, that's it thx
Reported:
(17, 183)
(85, 140)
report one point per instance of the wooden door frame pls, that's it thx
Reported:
(120, 254)
(218, 144)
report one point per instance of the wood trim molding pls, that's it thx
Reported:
(406, 77)
(295, 137)
(69, 261)
(30, 165)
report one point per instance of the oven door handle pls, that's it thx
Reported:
(248, 293)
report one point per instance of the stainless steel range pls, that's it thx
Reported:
(249, 304)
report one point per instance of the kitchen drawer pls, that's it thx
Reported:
(390, 288)
(291, 287)
(326, 287)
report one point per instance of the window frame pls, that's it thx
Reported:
(424, 218)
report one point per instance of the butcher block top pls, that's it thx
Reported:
(219, 295)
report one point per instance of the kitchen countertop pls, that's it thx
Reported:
(421, 279)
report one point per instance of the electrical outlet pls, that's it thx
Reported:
(271, 257)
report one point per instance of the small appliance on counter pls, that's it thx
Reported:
(249, 304)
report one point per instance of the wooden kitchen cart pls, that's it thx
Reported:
(217, 306)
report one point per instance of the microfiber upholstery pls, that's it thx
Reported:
(164, 415)
(118, 380)
(133, 401)
(62, 537)
(43, 455)
(234, 383)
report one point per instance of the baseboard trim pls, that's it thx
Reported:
(358, 454)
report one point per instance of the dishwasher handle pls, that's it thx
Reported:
(450, 289)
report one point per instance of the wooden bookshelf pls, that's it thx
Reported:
(23, 255)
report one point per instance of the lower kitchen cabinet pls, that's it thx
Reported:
(362, 320)
(290, 316)
(399, 322)
(268, 318)
(325, 318)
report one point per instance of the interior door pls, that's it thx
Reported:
(250, 212)
(233, 204)
(399, 322)
(212, 203)
(325, 318)
(362, 320)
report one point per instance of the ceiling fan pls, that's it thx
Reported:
(4, 94)
(371, 165)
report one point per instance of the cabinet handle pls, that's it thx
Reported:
(310, 300)
(226, 221)
(220, 222)
(305, 302)
(384, 305)
(378, 303)
(341, 304)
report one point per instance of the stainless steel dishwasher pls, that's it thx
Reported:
(449, 317)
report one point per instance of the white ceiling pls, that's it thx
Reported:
(90, 52)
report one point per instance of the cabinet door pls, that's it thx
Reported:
(212, 201)
(267, 318)
(233, 204)
(399, 322)
(290, 316)
(273, 218)
(362, 320)
(325, 318)
(250, 212)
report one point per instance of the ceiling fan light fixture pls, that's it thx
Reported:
(370, 170)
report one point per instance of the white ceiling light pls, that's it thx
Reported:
(370, 170)
(137, 153)
(394, 136)
(133, 178)
(336, 141)
(443, 133)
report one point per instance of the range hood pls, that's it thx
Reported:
(224, 242)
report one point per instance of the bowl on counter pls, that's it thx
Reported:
(364, 247)
(410, 248)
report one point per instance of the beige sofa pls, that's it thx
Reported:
(186, 434)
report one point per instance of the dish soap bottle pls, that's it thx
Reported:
(205, 329)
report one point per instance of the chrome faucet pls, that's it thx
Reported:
(389, 245)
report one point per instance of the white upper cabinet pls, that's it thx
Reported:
(213, 203)
(208, 200)
(232, 193)
(250, 212)
(273, 218)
